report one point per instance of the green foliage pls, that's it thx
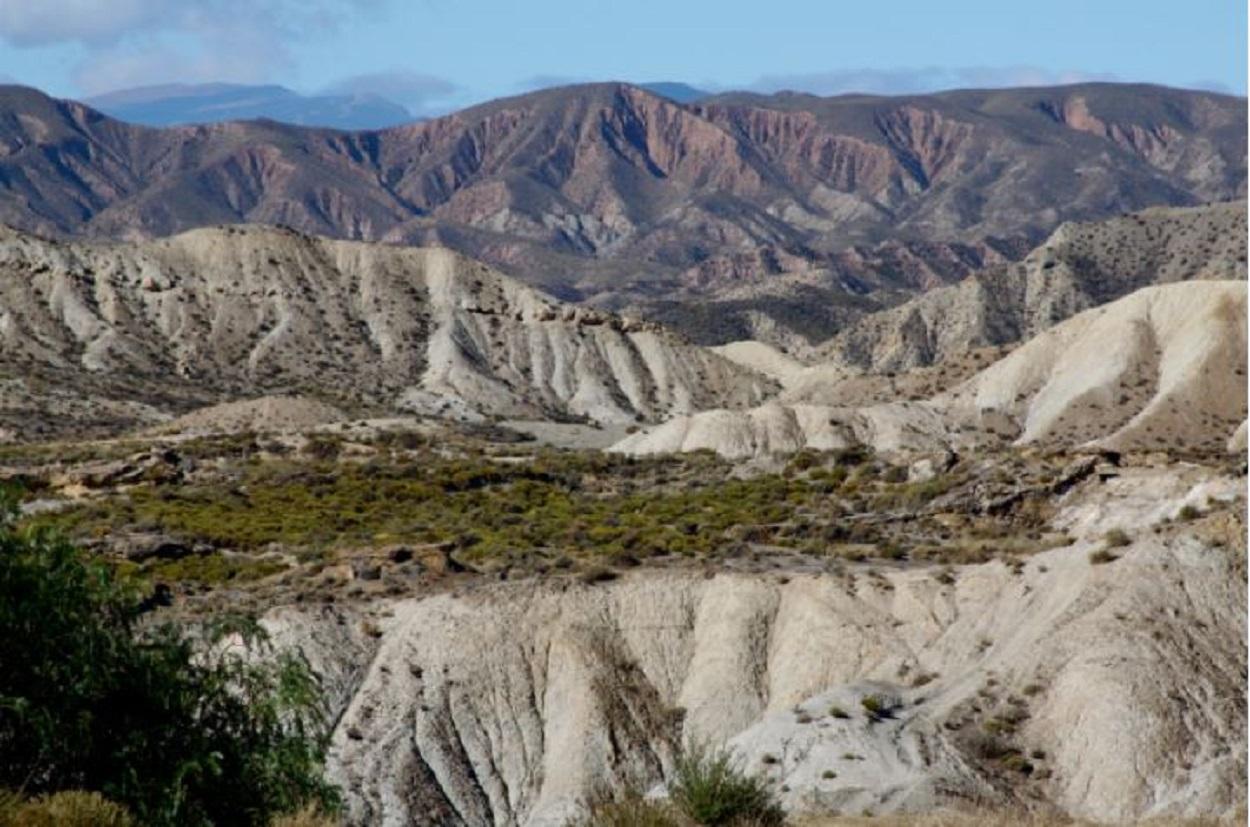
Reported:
(323, 447)
(559, 503)
(1018, 763)
(211, 568)
(309, 816)
(528, 508)
(710, 787)
(855, 455)
(179, 733)
(802, 461)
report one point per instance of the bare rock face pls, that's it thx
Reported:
(1120, 685)
(608, 193)
(1163, 368)
(242, 312)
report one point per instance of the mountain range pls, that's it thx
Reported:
(781, 216)
(179, 104)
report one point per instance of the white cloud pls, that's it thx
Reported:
(44, 22)
(900, 81)
(137, 42)
(414, 90)
(110, 69)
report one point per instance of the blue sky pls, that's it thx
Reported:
(434, 55)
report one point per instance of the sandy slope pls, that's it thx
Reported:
(266, 413)
(1163, 367)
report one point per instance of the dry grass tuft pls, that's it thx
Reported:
(71, 808)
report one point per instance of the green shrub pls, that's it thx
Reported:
(597, 574)
(323, 447)
(1018, 763)
(710, 787)
(212, 568)
(1099, 556)
(876, 706)
(895, 474)
(180, 732)
(802, 461)
(987, 746)
(855, 455)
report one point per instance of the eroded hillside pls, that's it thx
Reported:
(1161, 368)
(229, 312)
(1080, 266)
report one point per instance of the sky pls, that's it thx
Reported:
(437, 55)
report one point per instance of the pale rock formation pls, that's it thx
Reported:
(1162, 368)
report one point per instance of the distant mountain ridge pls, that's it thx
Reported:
(609, 194)
(180, 104)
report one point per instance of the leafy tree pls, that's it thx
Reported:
(215, 729)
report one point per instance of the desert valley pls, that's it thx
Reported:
(890, 448)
